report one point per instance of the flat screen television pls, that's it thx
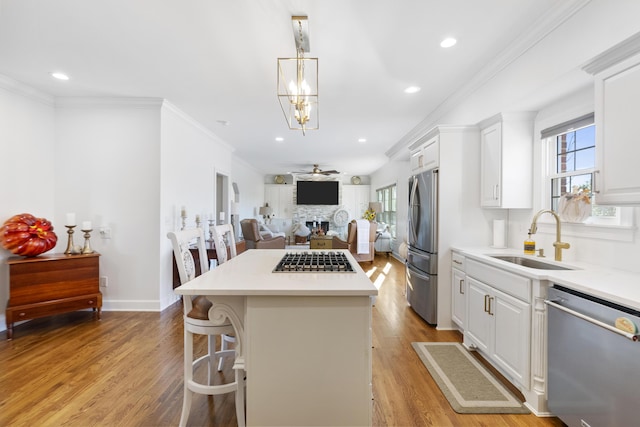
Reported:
(317, 193)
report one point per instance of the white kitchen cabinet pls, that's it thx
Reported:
(512, 338)
(499, 324)
(355, 199)
(617, 90)
(479, 323)
(506, 161)
(458, 290)
(425, 153)
(280, 199)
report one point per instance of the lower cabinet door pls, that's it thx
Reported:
(479, 329)
(511, 349)
(458, 297)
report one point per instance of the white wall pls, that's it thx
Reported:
(251, 185)
(107, 169)
(28, 164)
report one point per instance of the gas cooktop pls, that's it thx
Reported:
(314, 262)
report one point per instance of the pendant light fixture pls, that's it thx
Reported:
(298, 82)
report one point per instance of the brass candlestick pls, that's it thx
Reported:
(70, 246)
(87, 244)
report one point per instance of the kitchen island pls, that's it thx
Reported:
(303, 338)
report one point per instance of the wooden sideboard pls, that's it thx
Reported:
(241, 246)
(52, 284)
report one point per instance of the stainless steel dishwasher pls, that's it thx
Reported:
(593, 366)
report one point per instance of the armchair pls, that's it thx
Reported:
(352, 241)
(253, 238)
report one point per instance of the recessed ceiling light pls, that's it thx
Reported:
(279, 139)
(448, 42)
(412, 89)
(59, 76)
(362, 140)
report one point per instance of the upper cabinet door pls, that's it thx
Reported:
(506, 161)
(617, 91)
(617, 149)
(425, 154)
(280, 199)
(491, 171)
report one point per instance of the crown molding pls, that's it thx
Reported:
(22, 89)
(614, 55)
(442, 129)
(196, 124)
(536, 32)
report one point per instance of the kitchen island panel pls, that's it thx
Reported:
(312, 357)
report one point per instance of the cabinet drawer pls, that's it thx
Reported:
(320, 244)
(457, 261)
(33, 282)
(509, 283)
(48, 308)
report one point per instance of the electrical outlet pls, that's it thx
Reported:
(104, 282)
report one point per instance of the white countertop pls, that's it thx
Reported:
(617, 286)
(250, 273)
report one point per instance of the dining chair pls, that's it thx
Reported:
(225, 246)
(196, 321)
(222, 238)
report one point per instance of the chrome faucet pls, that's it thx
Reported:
(559, 245)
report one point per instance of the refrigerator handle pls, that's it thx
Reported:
(410, 216)
(418, 275)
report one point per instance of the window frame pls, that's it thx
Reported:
(618, 228)
(389, 215)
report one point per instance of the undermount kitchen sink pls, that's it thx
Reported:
(531, 263)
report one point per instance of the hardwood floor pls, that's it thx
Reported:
(126, 370)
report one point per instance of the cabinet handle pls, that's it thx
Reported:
(595, 180)
(90, 301)
(461, 290)
(497, 192)
(490, 313)
(486, 303)
(457, 262)
(22, 314)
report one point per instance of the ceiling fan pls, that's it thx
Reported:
(317, 171)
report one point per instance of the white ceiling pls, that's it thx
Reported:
(216, 61)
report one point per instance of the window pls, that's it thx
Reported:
(572, 152)
(387, 196)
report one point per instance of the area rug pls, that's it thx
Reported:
(468, 386)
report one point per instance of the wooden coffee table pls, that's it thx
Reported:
(320, 242)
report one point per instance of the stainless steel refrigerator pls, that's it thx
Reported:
(422, 240)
